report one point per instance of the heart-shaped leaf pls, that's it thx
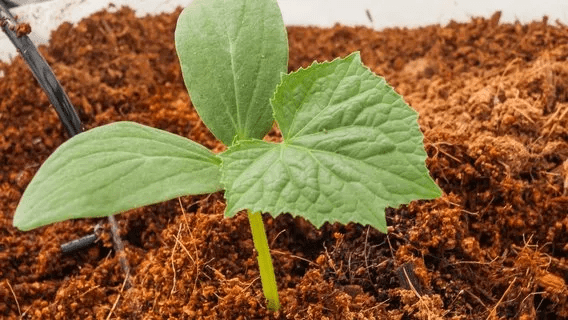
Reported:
(352, 147)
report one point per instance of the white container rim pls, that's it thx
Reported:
(46, 16)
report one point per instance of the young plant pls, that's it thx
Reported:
(351, 146)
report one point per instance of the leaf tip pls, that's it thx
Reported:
(22, 223)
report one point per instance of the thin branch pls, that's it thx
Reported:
(15, 298)
(119, 248)
(126, 280)
(172, 261)
(493, 311)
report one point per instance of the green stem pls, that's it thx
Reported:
(267, 277)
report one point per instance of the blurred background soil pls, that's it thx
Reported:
(493, 105)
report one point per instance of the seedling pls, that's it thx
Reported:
(351, 145)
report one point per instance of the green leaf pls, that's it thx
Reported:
(114, 168)
(232, 54)
(352, 147)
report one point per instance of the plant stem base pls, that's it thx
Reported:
(267, 276)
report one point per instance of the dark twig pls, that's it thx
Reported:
(42, 72)
(60, 101)
(78, 244)
(83, 242)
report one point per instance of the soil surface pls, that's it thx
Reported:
(493, 104)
